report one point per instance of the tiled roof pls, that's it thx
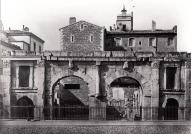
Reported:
(143, 32)
(15, 47)
(81, 21)
(22, 33)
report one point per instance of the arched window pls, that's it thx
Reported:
(131, 42)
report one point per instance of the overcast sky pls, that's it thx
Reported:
(45, 17)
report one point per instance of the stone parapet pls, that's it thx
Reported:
(55, 55)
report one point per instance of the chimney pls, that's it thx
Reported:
(72, 20)
(23, 27)
(175, 28)
(153, 25)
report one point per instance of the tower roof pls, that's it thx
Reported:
(123, 10)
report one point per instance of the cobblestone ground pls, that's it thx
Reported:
(93, 127)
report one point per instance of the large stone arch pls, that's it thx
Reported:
(111, 76)
(126, 109)
(122, 73)
(70, 76)
(86, 78)
(66, 98)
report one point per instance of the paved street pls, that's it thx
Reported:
(89, 123)
(93, 127)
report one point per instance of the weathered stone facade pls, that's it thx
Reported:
(82, 36)
(132, 74)
(95, 74)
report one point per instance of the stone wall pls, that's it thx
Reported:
(81, 37)
(162, 44)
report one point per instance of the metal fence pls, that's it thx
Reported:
(94, 113)
(70, 113)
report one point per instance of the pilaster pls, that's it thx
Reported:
(155, 89)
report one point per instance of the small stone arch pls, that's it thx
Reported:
(174, 97)
(24, 108)
(171, 109)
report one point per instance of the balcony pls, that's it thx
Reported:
(24, 90)
(172, 91)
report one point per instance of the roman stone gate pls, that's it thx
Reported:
(124, 95)
(70, 98)
(101, 90)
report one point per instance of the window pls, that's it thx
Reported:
(24, 72)
(91, 38)
(131, 42)
(1, 67)
(170, 77)
(118, 93)
(72, 38)
(140, 43)
(170, 41)
(124, 27)
(34, 46)
(152, 42)
(82, 27)
(40, 49)
(29, 47)
(118, 41)
(72, 86)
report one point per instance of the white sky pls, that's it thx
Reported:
(45, 17)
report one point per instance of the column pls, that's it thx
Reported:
(164, 81)
(97, 108)
(39, 71)
(31, 78)
(177, 78)
(155, 89)
(17, 76)
(6, 77)
(97, 75)
(187, 87)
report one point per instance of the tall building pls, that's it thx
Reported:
(99, 74)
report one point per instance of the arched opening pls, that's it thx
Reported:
(125, 99)
(171, 110)
(70, 98)
(24, 108)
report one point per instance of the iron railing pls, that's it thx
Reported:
(94, 113)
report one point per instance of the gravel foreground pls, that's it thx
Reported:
(92, 128)
(96, 130)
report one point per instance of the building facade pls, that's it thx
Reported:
(118, 74)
